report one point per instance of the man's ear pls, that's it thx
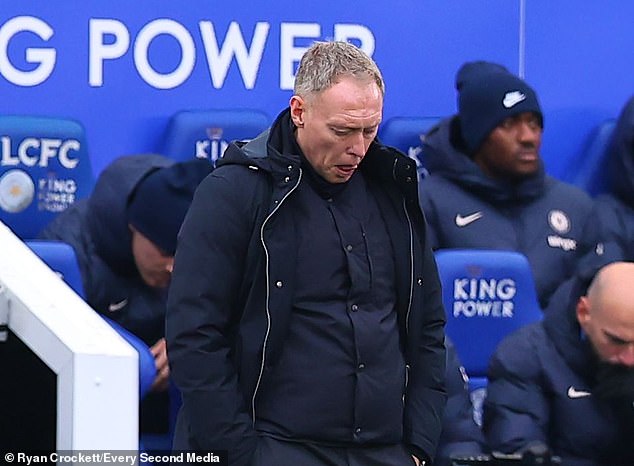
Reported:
(583, 311)
(297, 106)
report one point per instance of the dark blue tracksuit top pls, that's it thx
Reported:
(539, 216)
(613, 216)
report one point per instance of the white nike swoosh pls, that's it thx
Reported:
(513, 98)
(467, 219)
(114, 307)
(574, 393)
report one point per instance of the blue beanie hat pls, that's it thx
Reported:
(476, 69)
(486, 100)
(161, 200)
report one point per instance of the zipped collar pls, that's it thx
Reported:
(270, 152)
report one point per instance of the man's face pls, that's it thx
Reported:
(154, 265)
(511, 151)
(610, 331)
(335, 128)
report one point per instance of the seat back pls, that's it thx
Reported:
(405, 134)
(61, 258)
(592, 173)
(207, 133)
(45, 168)
(487, 294)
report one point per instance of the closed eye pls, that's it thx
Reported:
(341, 131)
(613, 339)
(367, 132)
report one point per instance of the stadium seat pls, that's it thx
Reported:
(206, 133)
(487, 294)
(61, 258)
(592, 175)
(405, 134)
(567, 136)
(45, 168)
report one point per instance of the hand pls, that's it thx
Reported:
(159, 351)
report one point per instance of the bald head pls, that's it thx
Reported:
(606, 313)
(613, 288)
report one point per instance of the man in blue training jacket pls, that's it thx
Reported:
(567, 382)
(487, 188)
(612, 228)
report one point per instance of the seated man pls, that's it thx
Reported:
(124, 236)
(613, 225)
(567, 383)
(487, 188)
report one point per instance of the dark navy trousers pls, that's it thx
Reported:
(274, 452)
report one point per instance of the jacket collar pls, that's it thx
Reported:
(276, 151)
(563, 329)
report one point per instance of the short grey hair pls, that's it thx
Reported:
(325, 63)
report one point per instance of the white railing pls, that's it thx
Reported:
(97, 371)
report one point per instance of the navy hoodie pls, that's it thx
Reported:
(543, 382)
(541, 217)
(614, 211)
(97, 229)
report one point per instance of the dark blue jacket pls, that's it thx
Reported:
(541, 380)
(97, 229)
(613, 224)
(541, 217)
(232, 292)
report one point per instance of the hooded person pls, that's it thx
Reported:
(612, 232)
(487, 187)
(124, 236)
(567, 382)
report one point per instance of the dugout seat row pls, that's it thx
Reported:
(46, 166)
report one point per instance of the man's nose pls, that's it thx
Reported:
(626, 357)
(169, 265)
(527, 132)
(358, 144)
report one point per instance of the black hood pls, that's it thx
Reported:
(107, 208)
(445, 154)
(271, 151)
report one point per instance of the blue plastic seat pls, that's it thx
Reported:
(61, 258)
(405, 134)
(592, 174)
(487, 294)
(207, 133)
(45, 168)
